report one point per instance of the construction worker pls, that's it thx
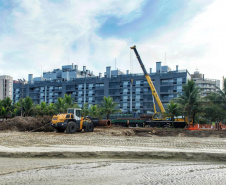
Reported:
(220, 125)
(213, 124)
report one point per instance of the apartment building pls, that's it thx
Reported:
(6, 86)
(206, 85)
(130, 91)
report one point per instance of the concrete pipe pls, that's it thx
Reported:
(105, 122)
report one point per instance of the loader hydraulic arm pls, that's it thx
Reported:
(148, 78)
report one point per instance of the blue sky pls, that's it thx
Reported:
(41, 35)
(152, 16)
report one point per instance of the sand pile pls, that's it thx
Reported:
(34, 124)
(179, 132)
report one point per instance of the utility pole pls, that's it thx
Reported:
(131, 95)
(22, 94)
(84, 90)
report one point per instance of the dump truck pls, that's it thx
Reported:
(72, 122)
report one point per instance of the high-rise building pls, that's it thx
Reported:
(6, 86)
(206, 85)
(130, 91)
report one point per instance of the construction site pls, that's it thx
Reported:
(30, 151)
(157, 147)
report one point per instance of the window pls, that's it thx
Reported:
(138, 82)
(179, 80)
(125, 83)
(165, 81)
(137, 104)
(80, 86)
(179, 88)
(124, 104)
(78, 113)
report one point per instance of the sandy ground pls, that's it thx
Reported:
(107, 171)
(110, 156)
(119, 143)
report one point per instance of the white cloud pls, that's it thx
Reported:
(43, 35)
(44, 32)
(199, 43)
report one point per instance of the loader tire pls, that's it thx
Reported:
(89, 127)
(71, 127)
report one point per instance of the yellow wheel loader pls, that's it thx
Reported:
(72, 122)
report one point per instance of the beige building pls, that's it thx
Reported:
(207, 85)
(6, 86)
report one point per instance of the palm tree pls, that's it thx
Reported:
(42, 109)
(59, 105)
(109, 106)
(95, 111)
(17, 108)
(215, 104)
(189, 100)
(85, 110)
(51, 109)
(6, 107)
(172, 110)
(28, 106)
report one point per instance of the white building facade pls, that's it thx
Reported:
(6, 86)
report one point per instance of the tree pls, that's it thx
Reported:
(68, 101)
(17, 108)
(41, 109)
(189, 100)
(28, 106)
(51, 109)
(59, 105)
(95, 111)
(6, 107)
(172, 110)
(109, 106)
(215, 104)
(62, 104)
(85, 110)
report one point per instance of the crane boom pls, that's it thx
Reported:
(148, 78)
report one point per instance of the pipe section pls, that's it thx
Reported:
(104, 122)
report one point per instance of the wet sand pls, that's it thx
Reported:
(108, 171)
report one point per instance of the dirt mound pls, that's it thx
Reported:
(179, 132)
(34, 124)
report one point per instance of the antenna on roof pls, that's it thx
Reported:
(41, 71)
(165, 58)
(131, 62)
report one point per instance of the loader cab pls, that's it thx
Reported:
(75, 112)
